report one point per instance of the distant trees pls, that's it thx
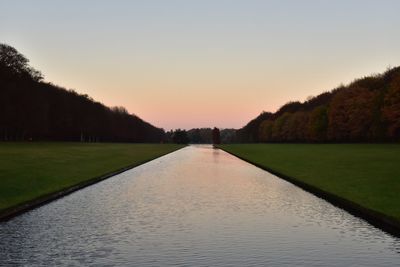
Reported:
(366, 110)
(228, 136)
(201, 136)
(216, 136)
(34, 110)
(180, 137)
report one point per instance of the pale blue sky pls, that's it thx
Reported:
(203, 63)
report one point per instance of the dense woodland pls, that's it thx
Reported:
(31, 109)
(367, 110)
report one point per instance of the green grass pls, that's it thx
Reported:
(32, 170)
(366, 174)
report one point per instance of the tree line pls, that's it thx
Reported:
(31, 109)
(201, 136)
(367, 110)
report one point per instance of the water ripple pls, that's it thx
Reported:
(195, 207)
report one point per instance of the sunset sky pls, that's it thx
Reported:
(185, 64)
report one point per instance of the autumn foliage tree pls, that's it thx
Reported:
(295, 128)
(318, 124)
(351, 114)
(367, 110)
(391, 109)
(265, 131)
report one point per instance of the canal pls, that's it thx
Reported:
(198, 206)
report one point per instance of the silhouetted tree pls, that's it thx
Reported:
(180, 137)
(200, 135)
(194, 136)
(34, 110)
(228, 136)
(16, 64)
(216, 137)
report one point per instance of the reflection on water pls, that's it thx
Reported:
(196, 207)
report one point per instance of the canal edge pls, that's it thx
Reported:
(14, 211)
(377, 219)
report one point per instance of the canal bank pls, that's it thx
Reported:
(378, 219)
(35, 161)
(196, 207)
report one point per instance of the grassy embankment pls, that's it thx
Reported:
(30, 171)
(365, 174)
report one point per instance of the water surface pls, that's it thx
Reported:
(195, 207)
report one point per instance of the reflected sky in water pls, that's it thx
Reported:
(195, 207)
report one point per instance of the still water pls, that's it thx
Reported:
(195, 207)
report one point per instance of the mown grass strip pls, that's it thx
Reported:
(32, 173)
(364, 178)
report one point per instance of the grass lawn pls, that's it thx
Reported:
(32, 170)
(367, 174)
